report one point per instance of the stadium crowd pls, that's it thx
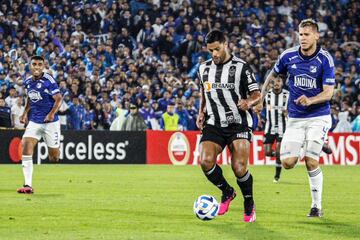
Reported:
(131, 65)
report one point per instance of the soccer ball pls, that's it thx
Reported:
(206, 207)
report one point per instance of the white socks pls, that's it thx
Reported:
(316, 186)
(27, 164)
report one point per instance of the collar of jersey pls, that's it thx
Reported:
(318, 47)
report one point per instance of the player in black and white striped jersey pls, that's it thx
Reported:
(229, 91)
(276, 101)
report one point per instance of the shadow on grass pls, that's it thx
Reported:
(289, 183)
(241, 230)
(46, 195)
(326, 226)
(8, 190)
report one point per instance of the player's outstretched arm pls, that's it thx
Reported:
(272, 75)
(58, 99)
(324, 96)
(201, 117)
(253, 100)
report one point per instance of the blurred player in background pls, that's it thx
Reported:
(40, 115)
(276, 101)
(229, 90)
(311, 80)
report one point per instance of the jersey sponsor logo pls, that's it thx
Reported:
(330, 80)
(313, 69)
(209, 86)
(305, 82)
(34, 96)
(272, 107)
(230, 118)
(243, 135)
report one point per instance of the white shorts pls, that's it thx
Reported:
(50, 132)
(301, 130)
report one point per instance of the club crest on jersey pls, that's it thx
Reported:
(209, 86)
(313, 69)
(38, 85)
(34, 95)
(305, 82)
(232, 71)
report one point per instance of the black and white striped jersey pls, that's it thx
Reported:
(276, 105)
(224, 85)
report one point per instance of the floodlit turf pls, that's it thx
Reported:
(155, 202)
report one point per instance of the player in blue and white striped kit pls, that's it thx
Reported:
(311, 80)
(43, 102)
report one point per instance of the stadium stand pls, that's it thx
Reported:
(107, 55)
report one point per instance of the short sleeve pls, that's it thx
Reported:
(328, 76)
(248, 79)
(53, 86)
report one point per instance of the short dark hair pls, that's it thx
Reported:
(36, 57)
(215, 36)
(309, 22)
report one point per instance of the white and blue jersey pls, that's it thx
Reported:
(306, 76)
(41, 92)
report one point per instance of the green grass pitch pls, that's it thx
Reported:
(155, 202)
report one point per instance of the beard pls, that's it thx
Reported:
(308, 48)
(220, 59)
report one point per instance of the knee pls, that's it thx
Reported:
(207, 161)
(27, 149)
(268, 152)
(288, 163)
(311, 164)
(54, 158)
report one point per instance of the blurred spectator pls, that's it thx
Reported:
(148, 115)
(12, 98)
(63, 112)
(170, 120)
(343, 125)
(184, 117)
(76, 114)
(5, 114)
(165, 101)
(356, 122)
(16, 111)
(134, 121)
(120, 118)
(89, 117)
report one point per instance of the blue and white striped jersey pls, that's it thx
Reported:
(40, 93)
(306, 76)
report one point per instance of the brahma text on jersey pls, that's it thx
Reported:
(208, 86)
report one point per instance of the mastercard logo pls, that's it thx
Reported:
(15, 149)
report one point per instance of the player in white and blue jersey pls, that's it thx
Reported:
(43, 102)
(311, 80)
